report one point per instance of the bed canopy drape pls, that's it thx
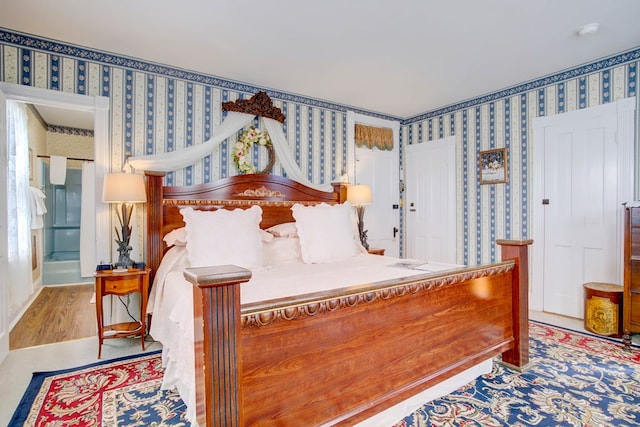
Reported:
(239, 114)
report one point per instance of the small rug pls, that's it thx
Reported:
(119, 392)
(574, 379)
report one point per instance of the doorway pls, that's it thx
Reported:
(381, 171)
(583, 168)
(99, 106)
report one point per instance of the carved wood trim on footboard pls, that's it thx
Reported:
(337, 359)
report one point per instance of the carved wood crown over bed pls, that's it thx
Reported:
(259, 104)
(341, 356)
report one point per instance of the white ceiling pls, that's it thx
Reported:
(65, 117)
(401, 58)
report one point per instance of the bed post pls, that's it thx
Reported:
(154, 248)
(218, 356)
(518, 356)
(340, 189)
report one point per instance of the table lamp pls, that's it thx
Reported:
(359, 196)
(126, 189)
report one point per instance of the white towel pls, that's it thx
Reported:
(38, 208)
(58, 170)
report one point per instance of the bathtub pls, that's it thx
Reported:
(62, 268)
(61, 255)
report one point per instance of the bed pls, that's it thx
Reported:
(336, 356)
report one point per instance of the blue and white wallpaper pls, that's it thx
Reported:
(159, 108)
(504, 119)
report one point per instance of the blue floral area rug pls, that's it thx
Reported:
(119, 392)
(574, 379)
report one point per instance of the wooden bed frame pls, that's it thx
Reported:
(341, 357)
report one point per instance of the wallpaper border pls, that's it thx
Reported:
(55, 47)
(582, 70)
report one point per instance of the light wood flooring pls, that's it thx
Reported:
(59, 313)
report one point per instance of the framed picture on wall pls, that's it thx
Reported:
(493, 166)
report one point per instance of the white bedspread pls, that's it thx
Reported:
(171, 301)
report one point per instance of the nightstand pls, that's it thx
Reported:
(376, 251)
(109, 282)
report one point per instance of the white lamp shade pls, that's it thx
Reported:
(359, 195)
(124, 187)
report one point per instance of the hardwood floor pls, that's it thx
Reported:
(59, 313)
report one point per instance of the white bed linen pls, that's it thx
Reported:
(171, 302)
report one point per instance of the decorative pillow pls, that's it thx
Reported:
(282, 250)
(326, 232)
(287, 229)
(265, 237)
(224, 237)
(176, 237)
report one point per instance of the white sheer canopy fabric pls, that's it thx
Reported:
(234, 121)
(18, 224)
(284, 154)
(178, 159)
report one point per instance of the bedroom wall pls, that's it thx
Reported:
(504, 119)
(158, 108)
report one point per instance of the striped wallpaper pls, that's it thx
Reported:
(504, 119)
(159, 108)
(156, 108)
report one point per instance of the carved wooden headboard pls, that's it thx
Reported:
(274, 194)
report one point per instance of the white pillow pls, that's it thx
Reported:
(265, 237)
(224, 237)
(282, 250)
(326, 232)
(176, 237)
(287, 229)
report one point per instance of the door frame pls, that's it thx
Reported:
(99, 107)
(627, 155)
(394, 125)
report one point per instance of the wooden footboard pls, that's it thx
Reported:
(336, 359)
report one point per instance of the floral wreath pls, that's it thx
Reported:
(241, 152)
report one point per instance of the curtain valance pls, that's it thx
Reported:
(371, 136)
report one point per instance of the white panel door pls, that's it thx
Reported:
(580, 210)
(431, 200)
(4, 268)
(380, 170)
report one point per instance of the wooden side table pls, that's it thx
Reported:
(376, 251)
(109, 282)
